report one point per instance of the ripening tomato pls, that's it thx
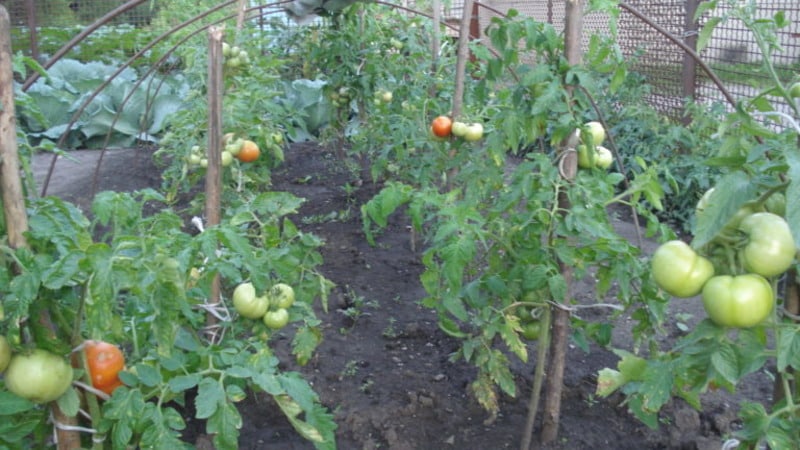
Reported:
(105, 361)
(442, 126)
(39, 376)
(249, 151)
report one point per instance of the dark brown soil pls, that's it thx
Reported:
(384, 366)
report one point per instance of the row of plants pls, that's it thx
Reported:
(134, 275)
(498, 218)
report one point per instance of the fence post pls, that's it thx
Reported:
(689, 75)
(32, 24)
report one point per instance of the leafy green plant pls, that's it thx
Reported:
(117, 116)
(759, 169)
(145, 285)
(490, 211)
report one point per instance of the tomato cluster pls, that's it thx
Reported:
(732, 273)
(443, 127)
(272, 308)
(591, 153)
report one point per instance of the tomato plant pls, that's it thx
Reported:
(38, 375)
(756, 288)
(770, 248)
(739, 301)
(679, 270)
(104, 362)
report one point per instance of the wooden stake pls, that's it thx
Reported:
(573, 27)
(213, 206)
(13, 198)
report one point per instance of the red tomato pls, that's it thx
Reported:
(105, 361)
(441, 126)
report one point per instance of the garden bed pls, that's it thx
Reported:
(384, 366)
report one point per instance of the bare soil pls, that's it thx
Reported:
(384, 366)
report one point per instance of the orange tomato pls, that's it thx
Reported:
(441, 126)
(249, 152)
(104, 361)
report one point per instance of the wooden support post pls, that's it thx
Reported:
(16, 216)
(573, 27)
(213, 186)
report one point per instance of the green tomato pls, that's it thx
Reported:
(281, 296)
(738, 301)
(194, 159)
(770, 249)
(597, 134)
(275, 320)
(776, 204)
(38, 376)
(603, 158)
(585, 160)
(247, 303)
(531, 330)
(794, 91)
(474, 132)
(227, 159)
(5, 353)
(459, 129)
(679, 270)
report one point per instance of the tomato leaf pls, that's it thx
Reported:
(13, 404)
(305, 341)
(182, 383)
(793, 194)
(732, 191)
(656, 385)
(788, 348)
(224, 425)
(210, 396)
(725, 362)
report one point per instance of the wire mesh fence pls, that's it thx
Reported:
(732, 51)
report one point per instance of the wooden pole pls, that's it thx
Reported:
(689, 74)
(436, 37)
(561, 317)
(14, 211)
(32, 26)
(214, 171)
(462, 56)
(13, 198)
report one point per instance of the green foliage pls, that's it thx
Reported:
(490, 211)
(146, 285)
(127, 110)
(756, 167)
